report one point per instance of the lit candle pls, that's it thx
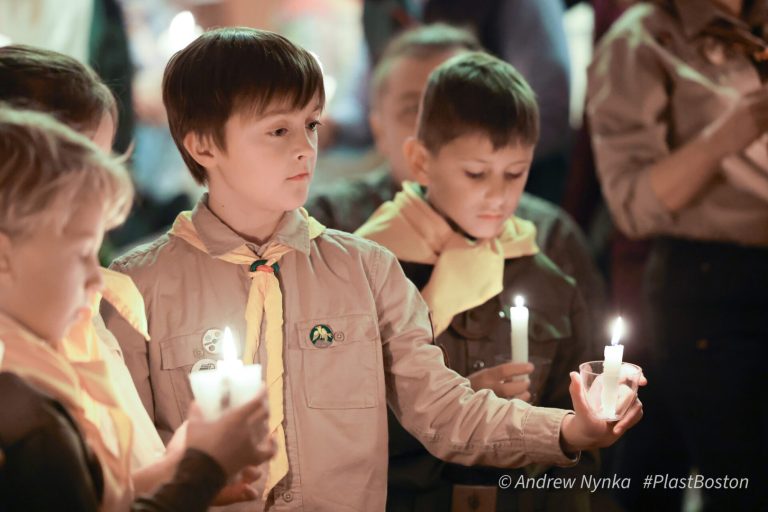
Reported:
(518, 315)
(231, 384)
(611, 370)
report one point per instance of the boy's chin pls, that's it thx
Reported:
(481, 232)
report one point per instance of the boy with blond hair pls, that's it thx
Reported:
(339, 329)
(62, 425)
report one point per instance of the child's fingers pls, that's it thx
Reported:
(512, 388)
(507, 371)
(577, 396)
(194, 413)
(633, 415)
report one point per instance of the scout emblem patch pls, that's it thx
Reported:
(321, 336)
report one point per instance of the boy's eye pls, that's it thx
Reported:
(314, 125)
(511, 176)
(474, 175)
(279, 132)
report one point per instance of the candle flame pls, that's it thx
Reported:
(617, 331)
(519, 301)
(228, 346)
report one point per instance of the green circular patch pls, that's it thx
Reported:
(321, 335)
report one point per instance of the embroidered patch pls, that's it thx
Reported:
(203, 365)
(321, 336)
(212, 340)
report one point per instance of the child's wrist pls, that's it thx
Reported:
(566, 435)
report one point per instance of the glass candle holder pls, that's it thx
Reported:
(609, 396)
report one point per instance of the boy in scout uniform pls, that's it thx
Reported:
(338, 328)
(457, 238)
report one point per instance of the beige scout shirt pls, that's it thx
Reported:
(655, 83)
(335, 397)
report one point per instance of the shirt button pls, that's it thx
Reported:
(702, 344)
(478, 365)
(287, 497)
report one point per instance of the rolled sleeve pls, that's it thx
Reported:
(626, 105)
(541, 436)
(437, 405)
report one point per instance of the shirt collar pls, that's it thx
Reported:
(220, 239)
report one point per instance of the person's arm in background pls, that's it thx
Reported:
(645, 181)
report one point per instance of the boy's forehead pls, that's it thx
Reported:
(255, 111)
(477, 146)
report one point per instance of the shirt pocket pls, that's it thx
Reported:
(178, 357)
(340, 361)
(548, 336)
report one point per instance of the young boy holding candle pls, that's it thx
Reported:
(338, 328)
(51, 82)
(455, 234)
(62, 426)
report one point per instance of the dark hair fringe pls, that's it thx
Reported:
(230, 70)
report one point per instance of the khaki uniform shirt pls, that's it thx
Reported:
(656, 82)
(336, 396)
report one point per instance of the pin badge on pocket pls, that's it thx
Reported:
(212, 340)
(321, 336)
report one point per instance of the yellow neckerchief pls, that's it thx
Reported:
(84, 388)
(264, 298)
(466, 273)
(89, 340)
(82, 341)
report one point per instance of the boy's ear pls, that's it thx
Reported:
(417, 158)
(5, 259)
(202, 149)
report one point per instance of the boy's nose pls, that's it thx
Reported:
(306, 147)
(95, 282)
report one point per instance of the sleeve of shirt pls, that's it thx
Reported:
(437, 405)
(134, 349)
(197, 480)
(626, 106)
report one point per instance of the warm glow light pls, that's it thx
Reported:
(519, 301)
(617, 331)
(228, 346)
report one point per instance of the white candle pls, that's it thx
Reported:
(611, 369)
(231, 384)
(518, 315)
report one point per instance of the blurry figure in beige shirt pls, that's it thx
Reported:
(678, 108)
(340, 332)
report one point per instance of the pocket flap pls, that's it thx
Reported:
(183, 351)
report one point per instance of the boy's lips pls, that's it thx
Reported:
(491, 216)
(299, 177)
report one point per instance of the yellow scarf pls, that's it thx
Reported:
(264, 298)
(466, 273)
(84, 388)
